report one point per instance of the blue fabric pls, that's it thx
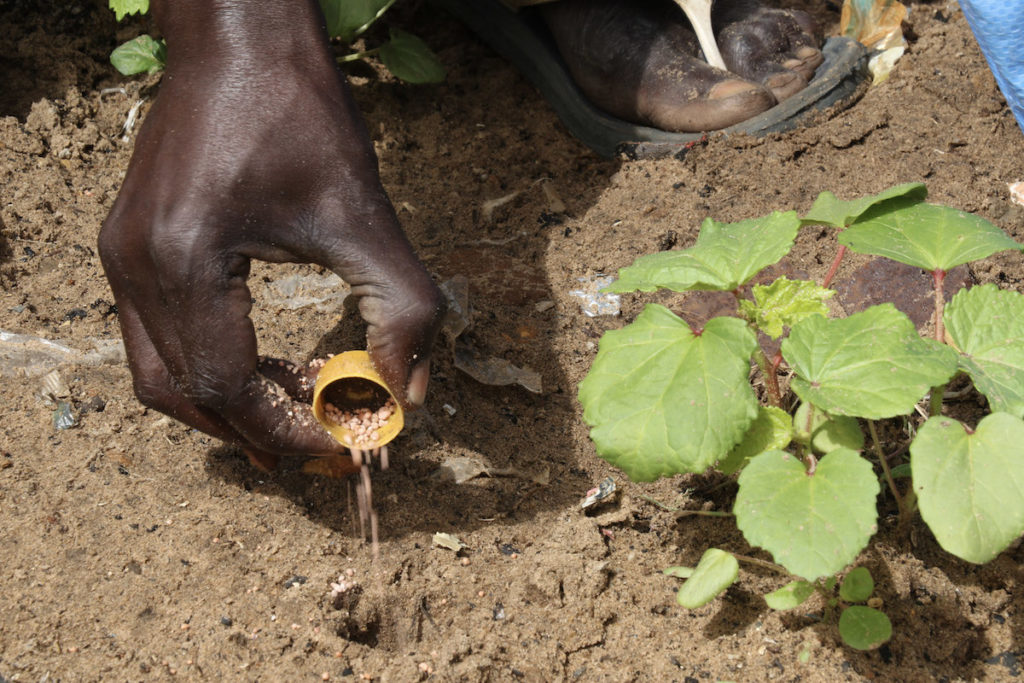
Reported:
(998, 26)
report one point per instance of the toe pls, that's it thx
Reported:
(774, 47)
(721, 104)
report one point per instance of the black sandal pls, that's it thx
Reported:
(522, 39)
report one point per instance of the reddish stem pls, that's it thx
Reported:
(835, 266)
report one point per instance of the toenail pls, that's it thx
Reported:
(731, 88)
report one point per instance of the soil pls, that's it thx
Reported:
(136, 548)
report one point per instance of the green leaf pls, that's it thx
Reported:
(716, 571)
(987, 325)
(863, 628)
(678, 572)
(828, 432)
(872, 364)
(857, 586)
(926, 236)
(725, 256)
(784, 303)
(123, 8)
(770, 430)
(142, 54)
(829, 210)
(410, 59)
(664, 400)
(793, 594)
(346, 17)
(970, 487)
(813, 525)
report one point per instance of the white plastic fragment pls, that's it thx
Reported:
(596, 302)
(599, 492)
(448, 541)
(26, 354)
(448, 408)
(1017, 192)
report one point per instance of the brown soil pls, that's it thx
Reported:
(134, 548)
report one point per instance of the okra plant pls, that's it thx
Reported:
(405, 55)
(663, 398)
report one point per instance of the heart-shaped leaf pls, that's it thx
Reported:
(987, 325)
(829, 210)
(770, 430)
(872, 364)
(411, 59)
(923, 235)
(793, 594)
(662, 399)
(828, 432)
(813, 525)
(857, 585)
(725, 256)
(863, 628)
(716, 571)
(970, 487)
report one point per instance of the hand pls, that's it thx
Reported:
(254, 149)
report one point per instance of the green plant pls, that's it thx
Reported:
(662, 398)
(405, 55)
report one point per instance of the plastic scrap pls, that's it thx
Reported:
(325, 292)
(461, 469)
(495, 371)
(53, 388)
(596, 302)
(25, 354)
(448, 541)
(1017, 193)
(876, 24)
(487, 370)
(64, 417)
(600, 492)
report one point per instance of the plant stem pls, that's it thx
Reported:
(935, 401)
(771, 380)
(938, 275)
(834, 268)
(900, 503)
(809, 460)
(359, 31)
(703, 513)
(762, 563)
(358, 55)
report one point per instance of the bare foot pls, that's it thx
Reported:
(640, 61)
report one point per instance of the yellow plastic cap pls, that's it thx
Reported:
(349, 382)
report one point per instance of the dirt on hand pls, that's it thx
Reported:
(133, 546)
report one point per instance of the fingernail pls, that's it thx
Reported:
(417, 391)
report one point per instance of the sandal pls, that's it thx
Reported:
(522, 39)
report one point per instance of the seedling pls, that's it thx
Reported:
(663, 398)
(405, 55)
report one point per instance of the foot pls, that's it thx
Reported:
(641, 61)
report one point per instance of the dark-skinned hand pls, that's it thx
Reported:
(254, 149)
